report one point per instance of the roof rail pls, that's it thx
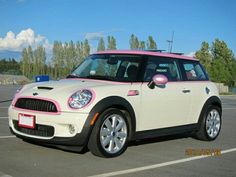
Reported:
(161, 51)
(154, 50)
(177, 53)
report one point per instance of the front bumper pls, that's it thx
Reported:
(75, 144)
(53, 129)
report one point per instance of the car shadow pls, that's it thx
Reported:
(130, 144)
(158, 139)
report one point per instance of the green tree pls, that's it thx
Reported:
(134, 42)
(10, 66)
(31, 62)
(57, 59)
(101, 45)
(86, 48)
(79, 52)
(204, 55)
(142, 45)
(111, 43)
(234, 73)
(151, 44)
(219, 61)
(40, 59)
(70, 57)
(25, 64)
(224, 57)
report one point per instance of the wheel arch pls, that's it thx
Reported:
(214, 100)
(118, 103)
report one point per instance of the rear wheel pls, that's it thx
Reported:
(210, 124)
(109, 137)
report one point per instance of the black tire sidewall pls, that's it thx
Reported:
(209, 109)
(97, 129)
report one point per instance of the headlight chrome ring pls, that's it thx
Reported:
(80, 99)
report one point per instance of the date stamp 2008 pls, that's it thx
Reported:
(206, 151)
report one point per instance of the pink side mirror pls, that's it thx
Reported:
(159, 79)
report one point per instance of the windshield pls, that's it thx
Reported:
(121, 68)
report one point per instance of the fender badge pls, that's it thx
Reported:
(207, 90)
(35, 94)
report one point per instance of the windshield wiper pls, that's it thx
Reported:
(72, 76)
(100, 77)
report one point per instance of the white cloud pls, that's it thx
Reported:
(94, 35)
(191, 54)
(23, 39)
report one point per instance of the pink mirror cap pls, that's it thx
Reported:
(160, 79)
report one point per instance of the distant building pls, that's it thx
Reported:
(222, 88)
(13, 79)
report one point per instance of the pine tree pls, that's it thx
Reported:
(151, 44)
(86, 49)
(101, 45)
(40, 59)
(58, 59)
(111, 43)
(25, 62)
(134, 42)
(31, 62)
(79, 52)
(142, 45)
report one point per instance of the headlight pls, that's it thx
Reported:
(18, 91)
(80, 99)
(16, 95)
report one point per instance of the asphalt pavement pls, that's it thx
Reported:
(159, 157)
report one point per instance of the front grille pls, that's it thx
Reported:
(39, 130)
(36, 105)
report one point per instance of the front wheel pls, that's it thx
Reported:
(210, 124)
(109, 137)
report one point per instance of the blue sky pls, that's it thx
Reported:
(43, 21)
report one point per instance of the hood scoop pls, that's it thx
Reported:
(44, 88)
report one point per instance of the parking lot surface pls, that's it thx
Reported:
(168, 156)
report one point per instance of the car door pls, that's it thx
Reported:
(166, 106)
(197, 81)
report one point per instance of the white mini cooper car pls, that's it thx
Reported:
(114, 97)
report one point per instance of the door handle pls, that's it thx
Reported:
(186, 91)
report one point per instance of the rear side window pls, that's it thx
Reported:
(193, 71)
(165, 66)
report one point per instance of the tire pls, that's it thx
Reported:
(210, 124)
(109, 137)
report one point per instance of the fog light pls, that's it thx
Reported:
(71, 129)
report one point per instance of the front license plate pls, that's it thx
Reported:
(26, 121)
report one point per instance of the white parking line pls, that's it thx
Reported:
(3, 117)
(133, 170)
(5, 137)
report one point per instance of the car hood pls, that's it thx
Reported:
(61, 87)
(60, 91)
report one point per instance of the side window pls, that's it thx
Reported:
(165, 66)
(129, 68)
(193, 71)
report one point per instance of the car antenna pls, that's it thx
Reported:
(170, 43)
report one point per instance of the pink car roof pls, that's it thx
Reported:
(140, 52)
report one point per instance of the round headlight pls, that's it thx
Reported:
(18, 91)
(80, 99)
